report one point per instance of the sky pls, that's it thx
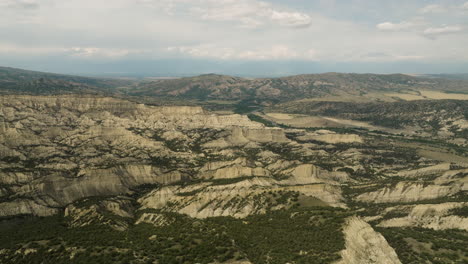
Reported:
(238, 37)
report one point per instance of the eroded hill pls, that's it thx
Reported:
(121, 182)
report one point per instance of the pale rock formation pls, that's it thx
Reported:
(25, 207)
(154, 219)
(365, 246)
(238, 199)
(308, 173)
(431, 170)
(57, 150)
(231, 169)
(280, 165)
(331, 137)
(434, 216)
(448, 184)
(98, 213)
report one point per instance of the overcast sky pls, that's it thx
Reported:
(177, 37)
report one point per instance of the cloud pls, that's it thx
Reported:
(414, 23)
(389, 26)
(465, 6)
(291, 19)
(433, 9)
(275, 52)
(434, 31)
(250, 13)
(382, 56)
(93, 52)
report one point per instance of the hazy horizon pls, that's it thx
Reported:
(177, 74)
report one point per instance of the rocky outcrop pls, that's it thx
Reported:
(60, 149)
(426, 171)
(155, 219)
(308, 173)
(25, 207)
(365, 246)
(238, 199)
(110, 212)
(434, 216)
(450, 183)
(246, 136)
(331, 137)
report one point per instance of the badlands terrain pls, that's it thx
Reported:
(326, 168)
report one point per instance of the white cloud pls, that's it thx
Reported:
(433, 9)
(93, 52)
(291, 19)
(275, 52)
(433, 31)
(250, 13)
(383, 56)
(389, 26)
(415, 23)
(465, 6)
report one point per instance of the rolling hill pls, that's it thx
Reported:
(221, 87)
(14, 80)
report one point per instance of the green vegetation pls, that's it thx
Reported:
(311, 235)
(31, 82)
(230, 180)
(246, 106)
(260, 119)
(419, 245)
(461, 211)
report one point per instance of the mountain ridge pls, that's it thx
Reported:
(225, 87)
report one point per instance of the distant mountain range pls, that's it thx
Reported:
(223, 87)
